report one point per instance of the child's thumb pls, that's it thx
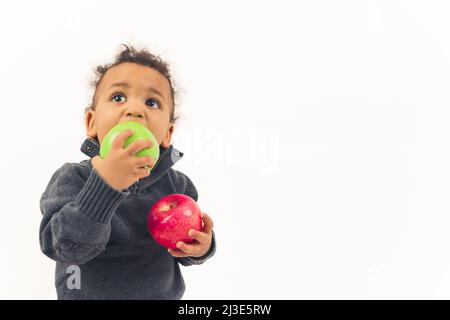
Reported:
(95, 160)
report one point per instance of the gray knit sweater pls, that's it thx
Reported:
(98, 236)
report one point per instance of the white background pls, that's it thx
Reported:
(316, 132)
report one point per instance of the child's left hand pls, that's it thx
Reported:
(202, 244)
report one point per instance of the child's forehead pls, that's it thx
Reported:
(134, 74)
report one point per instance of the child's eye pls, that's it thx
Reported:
(117, 95)
(152, 103)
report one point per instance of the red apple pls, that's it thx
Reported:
(171, 217)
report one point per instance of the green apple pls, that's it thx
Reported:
(140, 132)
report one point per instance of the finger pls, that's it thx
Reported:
(186, 248)
(120, 139)
(177, 253)
(143, 162)
(95, 160)
(138, 145)
(201, 237)
(142, 173)
(209, 224)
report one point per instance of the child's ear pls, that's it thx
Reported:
(89, 121)
(166, 141)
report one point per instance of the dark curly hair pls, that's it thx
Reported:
(142, 57)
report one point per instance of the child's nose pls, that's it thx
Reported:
(135, 113)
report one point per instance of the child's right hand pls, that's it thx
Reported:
(121, 168)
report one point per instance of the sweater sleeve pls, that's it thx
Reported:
(76, 215)
(191, 191)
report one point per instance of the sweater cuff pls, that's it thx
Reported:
(99, 200)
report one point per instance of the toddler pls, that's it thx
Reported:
(94, 213)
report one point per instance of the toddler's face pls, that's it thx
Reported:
(132, 92)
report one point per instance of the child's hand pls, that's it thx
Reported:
(202, 244)
(121, 168)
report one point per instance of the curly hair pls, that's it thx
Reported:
(142, 57)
